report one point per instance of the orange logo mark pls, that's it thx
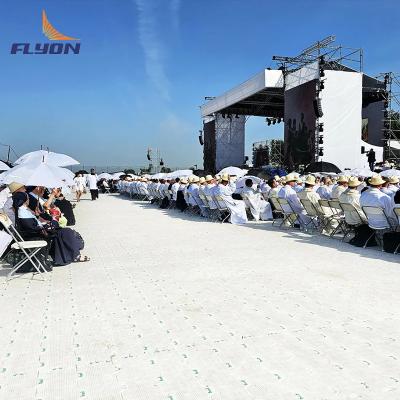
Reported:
(50, 32)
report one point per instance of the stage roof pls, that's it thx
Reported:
(261, 95)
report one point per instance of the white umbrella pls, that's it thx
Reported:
(116, 175)
(241, 182)
(57, 159)
(160, 175)
(390, 172)
(180, 173)
(39, 174)
(233, 171)
(104, 175)
(364, 172)
(4, 166)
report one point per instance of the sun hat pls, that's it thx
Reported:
(299, 180)
(195, 179)
(202, 180)
(290, 178)
(183, 180)
(310, 180)
(376, 180)
(209, 178)
(354, 181)
(342, 179)
(277, 177)
(393, 180)
(225, 177)
(14, 186)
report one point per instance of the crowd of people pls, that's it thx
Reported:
(331, 205)
(41, 214)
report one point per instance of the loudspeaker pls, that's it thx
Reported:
(318, 107)
(201, 141)
(362, 149)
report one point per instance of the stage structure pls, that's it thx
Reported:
(332, 111)
(268, 152)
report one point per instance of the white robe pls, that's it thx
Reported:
(259, 208)
(236, 207)
(288, 193)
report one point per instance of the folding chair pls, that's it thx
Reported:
(28, 248)
(312, 213)
(206, 205)
(396, 211)
(288, 213)
(379, 222)
(223, 208)
(214, 211)
(352, 217)
(277, 211)
(337, 216)
(247, 205)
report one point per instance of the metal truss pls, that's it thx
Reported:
(275, 149)
(391, 116)
(338, 57)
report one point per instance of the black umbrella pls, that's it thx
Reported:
(322, 166)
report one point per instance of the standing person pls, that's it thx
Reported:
(79, 183)
(371, 159)
(92, 183)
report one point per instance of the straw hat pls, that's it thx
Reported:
(209, 178)
(354, 181)
(183, 180)
(394, 180)
(376, 180)
(310, 180)
(342, 179)
(290, 178)
(299, 181)
(14, 186)
(277, 177)
(195, 179)
(202, 180)
(225, 177)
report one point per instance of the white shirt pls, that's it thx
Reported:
(375, 198)
(92, 181)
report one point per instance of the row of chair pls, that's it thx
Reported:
(330, 217)
(212, 207)
(333, 217)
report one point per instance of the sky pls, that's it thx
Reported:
(145, 67)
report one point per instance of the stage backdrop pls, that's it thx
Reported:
(341, 103)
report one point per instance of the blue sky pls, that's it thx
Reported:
(146, 65)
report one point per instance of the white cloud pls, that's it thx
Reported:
(154, 50)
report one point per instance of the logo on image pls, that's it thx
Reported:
(63, 45)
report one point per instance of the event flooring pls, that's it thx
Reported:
(173, 307)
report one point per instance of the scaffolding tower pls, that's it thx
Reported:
(391, 116)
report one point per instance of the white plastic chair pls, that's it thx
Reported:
(28, 248)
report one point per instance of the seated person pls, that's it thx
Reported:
(65, 244)
(66, 208)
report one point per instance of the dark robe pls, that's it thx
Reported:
(66, 208)
(64, 244)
